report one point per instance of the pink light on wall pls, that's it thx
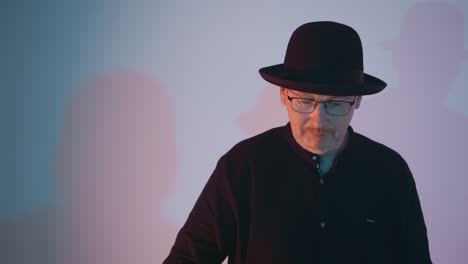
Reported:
(116, 164)
(266, 114)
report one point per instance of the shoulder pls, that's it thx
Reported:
(373, 152)
(264, 146)
(381, 165)
(251, 158)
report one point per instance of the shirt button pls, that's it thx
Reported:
(314, 157)
(321, 181)
(322, 224)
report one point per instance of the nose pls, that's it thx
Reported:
(320, 116)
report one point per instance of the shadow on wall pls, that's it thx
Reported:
(116, 163)
(412, 118)
(29, 238)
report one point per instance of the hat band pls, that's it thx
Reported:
(351, 77)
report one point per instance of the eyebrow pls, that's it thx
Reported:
(332, 97)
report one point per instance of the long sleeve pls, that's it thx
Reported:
(208, 234)
(413, 242)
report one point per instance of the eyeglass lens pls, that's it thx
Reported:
(332, 107)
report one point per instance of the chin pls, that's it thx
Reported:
(317, 150)
(320, 150)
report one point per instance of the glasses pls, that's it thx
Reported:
(332, 107)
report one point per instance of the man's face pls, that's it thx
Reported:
(318, 132)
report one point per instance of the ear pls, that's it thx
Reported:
(358, 102)
(283, 95)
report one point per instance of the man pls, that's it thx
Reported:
(313, 191)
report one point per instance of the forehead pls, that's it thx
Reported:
(317, 96)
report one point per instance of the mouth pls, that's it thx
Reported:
(318, 132)
(320, 135)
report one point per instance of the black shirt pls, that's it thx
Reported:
(265, 203)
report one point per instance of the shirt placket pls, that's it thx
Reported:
(322, 213)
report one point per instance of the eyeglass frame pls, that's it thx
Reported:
(317, 102)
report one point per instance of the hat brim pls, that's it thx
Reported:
(275, 75)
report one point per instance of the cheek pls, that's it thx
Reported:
(298, 123)
(342, 127)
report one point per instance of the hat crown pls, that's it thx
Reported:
(324, 57)
(324, 45)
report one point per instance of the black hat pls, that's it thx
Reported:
(324, 58)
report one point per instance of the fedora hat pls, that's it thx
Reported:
(324, 58)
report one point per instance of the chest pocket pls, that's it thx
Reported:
(358, 240)
(375, 240)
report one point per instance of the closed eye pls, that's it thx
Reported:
(306, 101)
